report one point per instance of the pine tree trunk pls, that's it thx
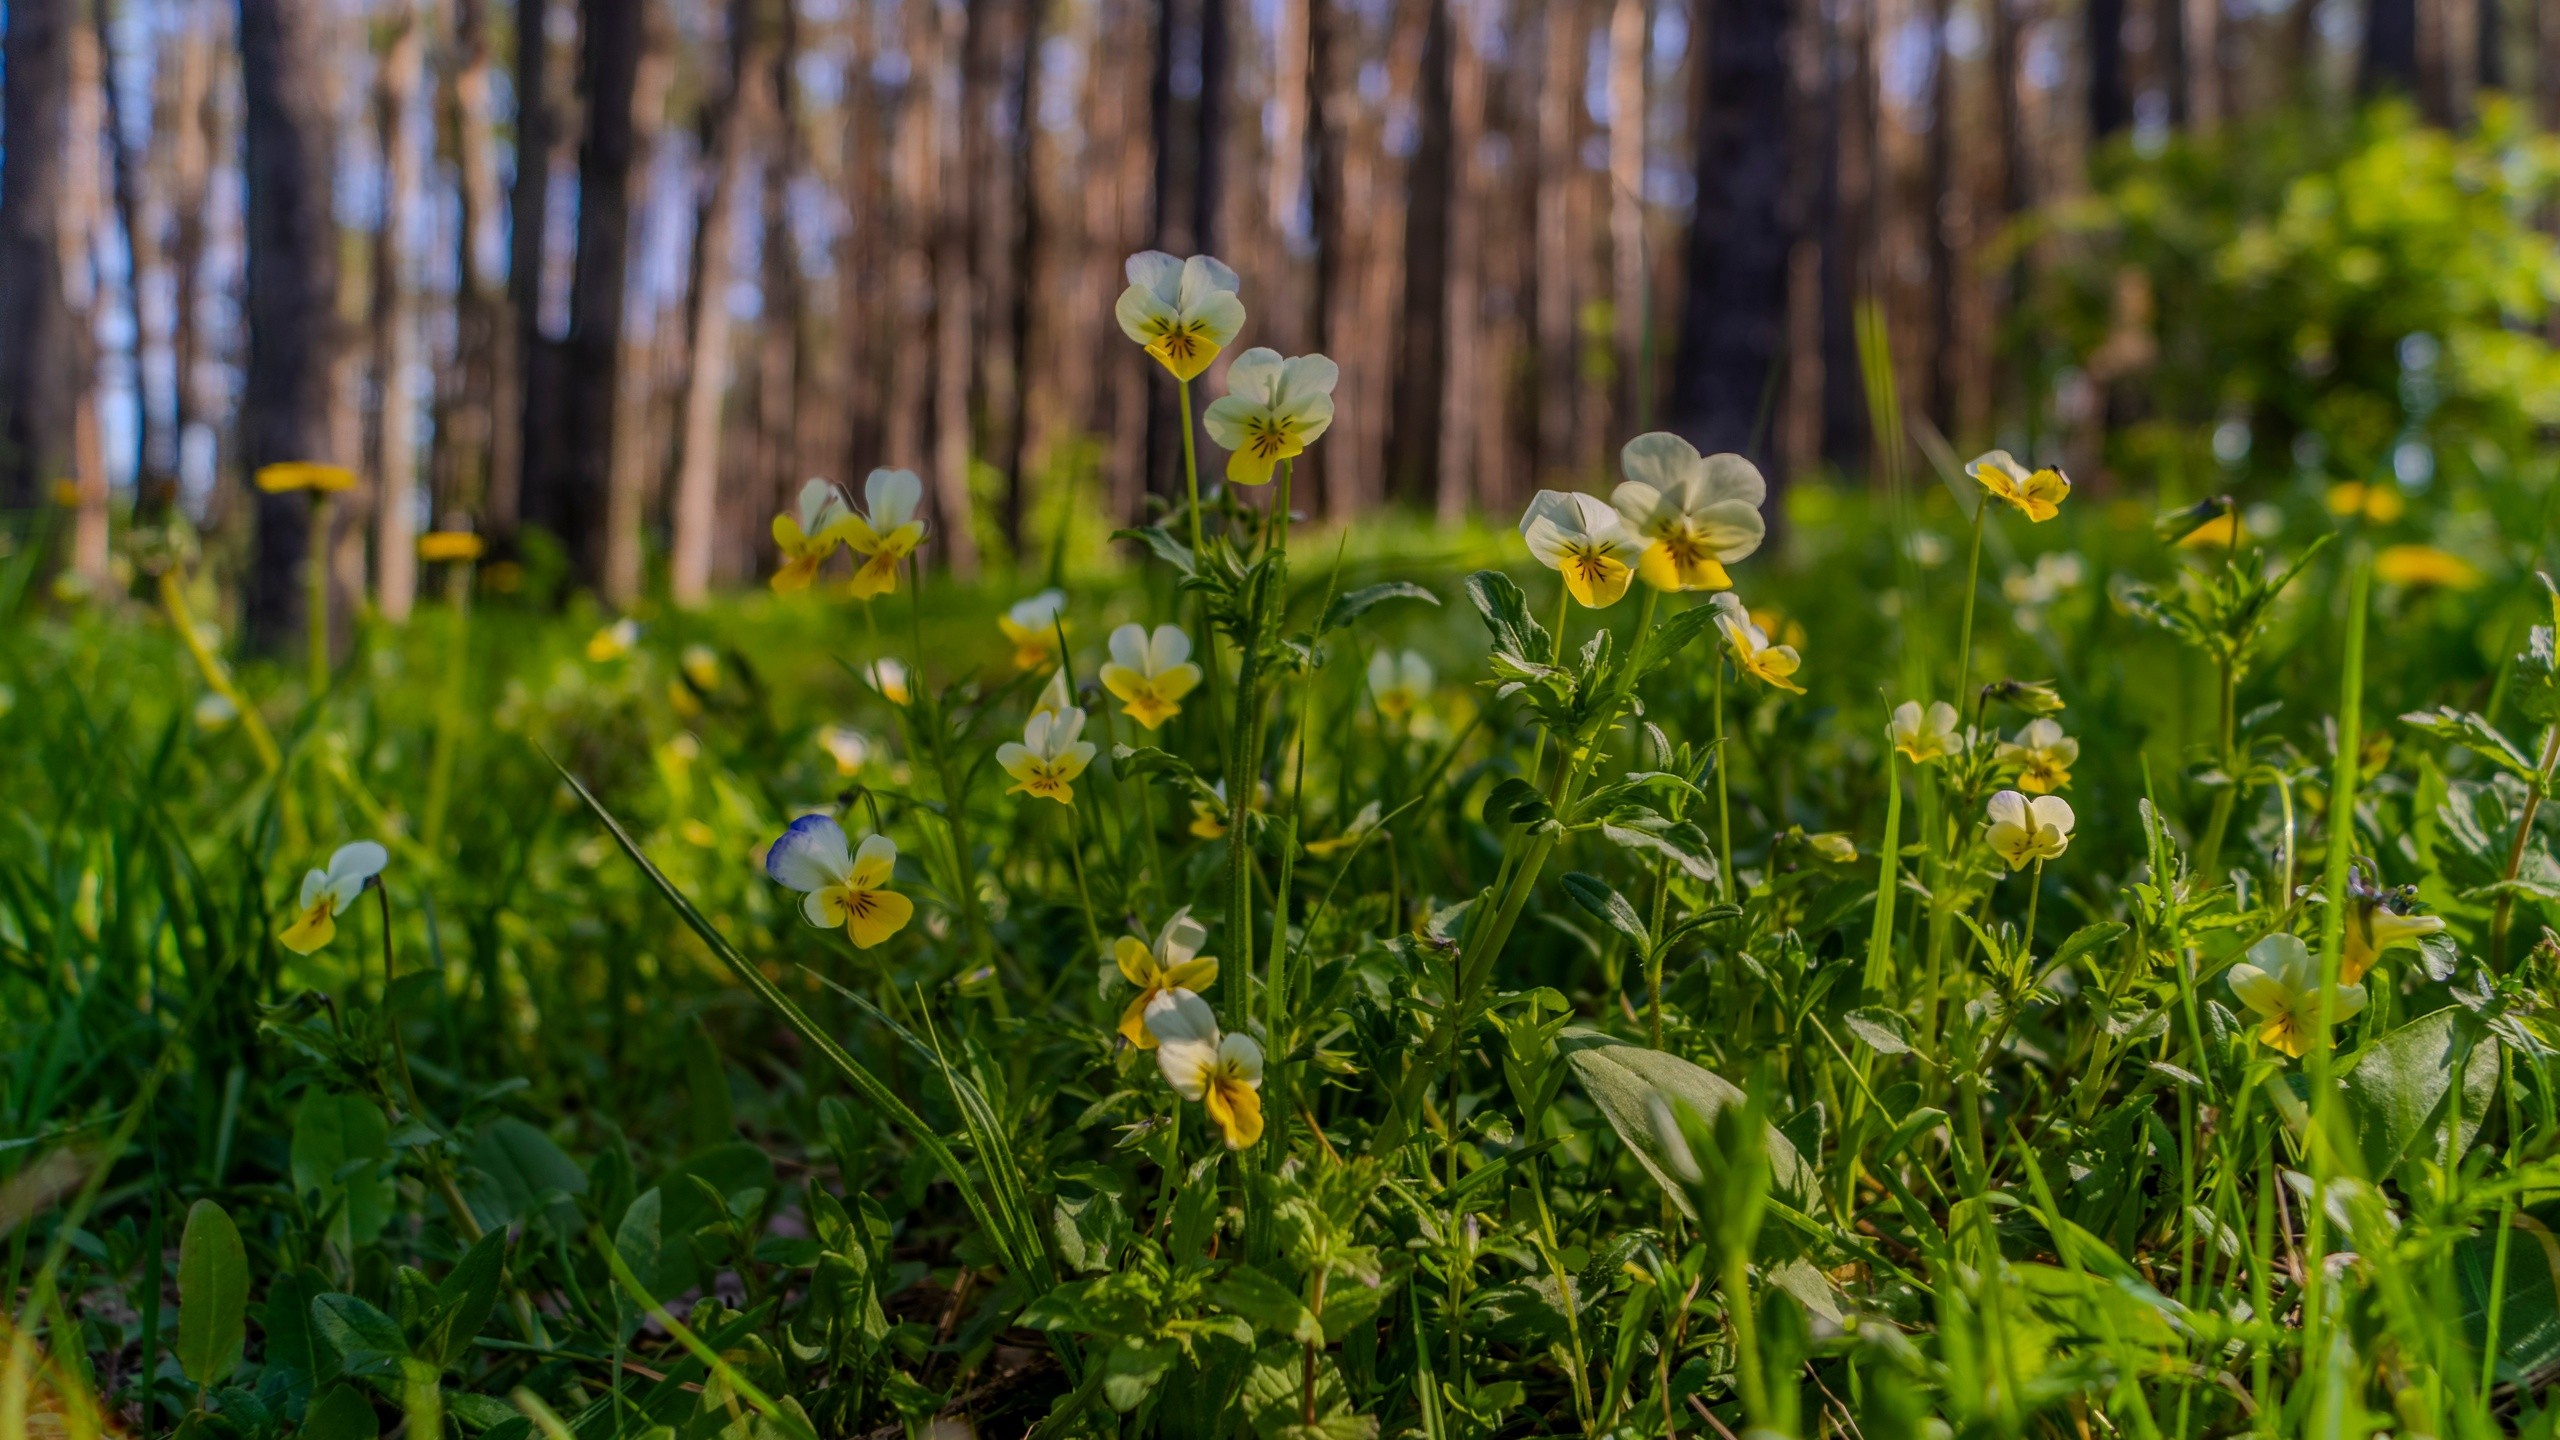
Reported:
(395, 334)
(37, 390)
(1736, 314)
(531, 408)
(1627, 259)
(475, 445)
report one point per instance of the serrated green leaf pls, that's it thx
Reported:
(1352, 605)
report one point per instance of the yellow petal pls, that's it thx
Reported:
(1237, 1109)
(878, 576)
(1137, 963)
(1133, 1021)
(310, 930)
(875, 915)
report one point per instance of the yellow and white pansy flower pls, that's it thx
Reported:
(1400, 682)
(807, 537)
(1032, 626)
(1695, 513)
(2280, 981)
(1049, 757)
(2024, 831)
(1209, 817)
(2377, 920)
(889, 677)
(887, 531)
(2036, 494)
(1183, 311)
(848, 747)
(1925, 736)
(2044, 757)
(1054, 696)
(1150, 673)
(613, 641)
(840, 885)
(1273, 410)
(1173, 965)
(1772, 665)
(326, 894)
(1584, 539)
(1222, 1072)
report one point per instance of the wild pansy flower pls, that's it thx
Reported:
(2425, 566)
(1183, 311)
(1032, 626)
(1925, 736)
(1209, 816)
(886, 532)
(889, 677)
(1054, 696)
(1772, 665)
(2043, 755)
(613, 641)
(1361, 827)
(1400, 683)
(1584, 539)
(1049, 757)
(838, 884)
(1222, 1072)
(848, 747)
(1273, 410)
(2023, 832)
(326, 894)
(1150, 673)
(806, 538)
(1173, 965)
(1695, 513)
(2281, 982)
(2378, 919)
(2036, 494)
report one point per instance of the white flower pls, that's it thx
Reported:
(1223, 1072)
(887, 530)
(2024, 831)
(2043, 754)
(1032, 626)
(1696, 513)
(2281, 982)
(1584, 539)
(1049, 757)
(1400, 683)
(1925, 735)
(1273, 409)
(848, 747)
(1150, 673)
(1753, 655)
(838, 884)
(326, 894)
(889, 677)
(1183, 311)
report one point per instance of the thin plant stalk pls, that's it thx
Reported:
(315, 603)
(2320, 1146)
(1724, 797)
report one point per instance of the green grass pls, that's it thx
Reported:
(1579, 1118)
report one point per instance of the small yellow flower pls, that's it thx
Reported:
(2024, 831)
(889, 677)
(1833, 846)
(1273, 410)
(1209, 817)
(848, 747)
(1049, 756)
(2379, 920)
(326, 894)
(1400, 683)
(838, 884)
(1222, 1072)
(1183, 311)
(304, 475)
(887, 530)
(613, 641)
(1150, 673)
(2043, 755)
(1584, 539)
(2222, 532)
(1032, 626)
(2281, 982)
(2425, 565)
(438, 546)
(1772, 665)
(1173, 965)
(698, 834)
(1361, 827)
(1695, 513)
(701, 665)
(2037, 494)
(1925, 736)
(807, 538)
(2376, 504)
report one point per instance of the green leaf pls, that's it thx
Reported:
(465, 1298)
(1268, 1304)
(342, 1413)
(1506, 613)
(1629, 1082)
(2400, 1092)
(1351, 606)
(366, 1341)
(284, 1322)
(520, 1167)
(2474, 733)
(640, 1240)
(1882, 1029)
(1609, 907)
(1515, 802)
(1679, 841)
(213, 1295)
(2529, 1308)
(1160, 540)
(2088, 940)
(339, 1145)
(1673, 636)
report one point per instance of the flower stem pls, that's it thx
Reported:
(1724, 802)
(315, 604)
(1972, 583)
(2504, 910)
(1190, 465)
(2320, 1148)
(449, 710)
(217, 676)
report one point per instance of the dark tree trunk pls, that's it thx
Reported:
(2110, 97)
(2389, 58)
(1024, 243)
(290, 147)
(1413, 442)
(155, 445)
(1736, 310)
(38, 384)
(1190, 63)
(535, 402)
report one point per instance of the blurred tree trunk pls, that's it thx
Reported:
(397, 75)
(2110, 97)
(191, 119)
(643, 353)
(154, 444)
(288, 397)
(1013, 180)
(1190, 78)
(955, 300)
(1631, 292)
(517, 491)
(1850, 208)
(1564, 52)
(38, 389)
(1734, 328)
(1463, 439)
(84, 223)
(1413, 464)
(2546, 63)
(474, 441)
(2388, 59)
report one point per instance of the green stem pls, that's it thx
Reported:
(1724, 799)
(2503, 912)
(1972, 583)
(2342, 808)
(449, 710)
(315, 603)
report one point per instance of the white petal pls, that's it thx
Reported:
(1309, 375)
(315, 883)
(1731, 528)
(1129, 647)
(2008, 807)
(1180, 939)
(878, 847)
(1254, 377)
(1418, 676)
(1156, 273)
(2258, 990)
(1556, 508)
(1218, 317)
(1226, 420)
(1064, 727)
(1142, 312)
(1382, 672)
(1179, 1015)
(1185, 1063)
(892, 497)
(1658, 458)
(811, 854)
(1548, 542)
(1311, 414)
(1727, 476)
(1637, 503)
(1040, 612)
(820, 504)
(1243, 1055)
(1202, 277)
(1168, 647)
(358, 861)
(2052, 810)
(2287, 959)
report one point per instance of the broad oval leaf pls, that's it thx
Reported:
(1627, 1081)
(213, 1295)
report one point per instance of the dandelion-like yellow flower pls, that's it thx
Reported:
(1273, 410)
(1772, 665)
(2024, 831)
(2037, 494)
(326, 894)
(1172, 965)
(312, 475)
(1049, 757)
(2424, 566)
(2281, 982)
(2044, 757)
(1183, 311)
(1584, 539)
(613, 641)
(808, 537)
(1150, 673)
(1400, 683)
(1032, 626)
(887, 530)
(2379, 920)
(442, 546)
(838, 884)
(1695, 513)
(1925, 736)
(2376, 504)
(1222, 1072)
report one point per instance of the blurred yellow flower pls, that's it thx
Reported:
(1032, 626)
(1222, 1072)
(1183, 311)
(1167, 967)
(2024, 831)
(613, 641)
(1209, 817)
(1049, 757)
(838, 884)
(2379, 920)
(304, 475)
(326, 894)
(437, 546)
(887, 530)
(701, 665)
(1361, 827)
(848, 747)
(2281, 982)
(1772, 665)
(807, 538)
(2222, 532)
(1694, 513)
(2376, 504)
(1053, 696)
(2425, 565)
(2043, 755)
(889, 677)
(2036, 494)
(1584, 539)
(1150, 673)
(1925, 736)
(1273, 410)
(1400, 683)
(696, 833)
